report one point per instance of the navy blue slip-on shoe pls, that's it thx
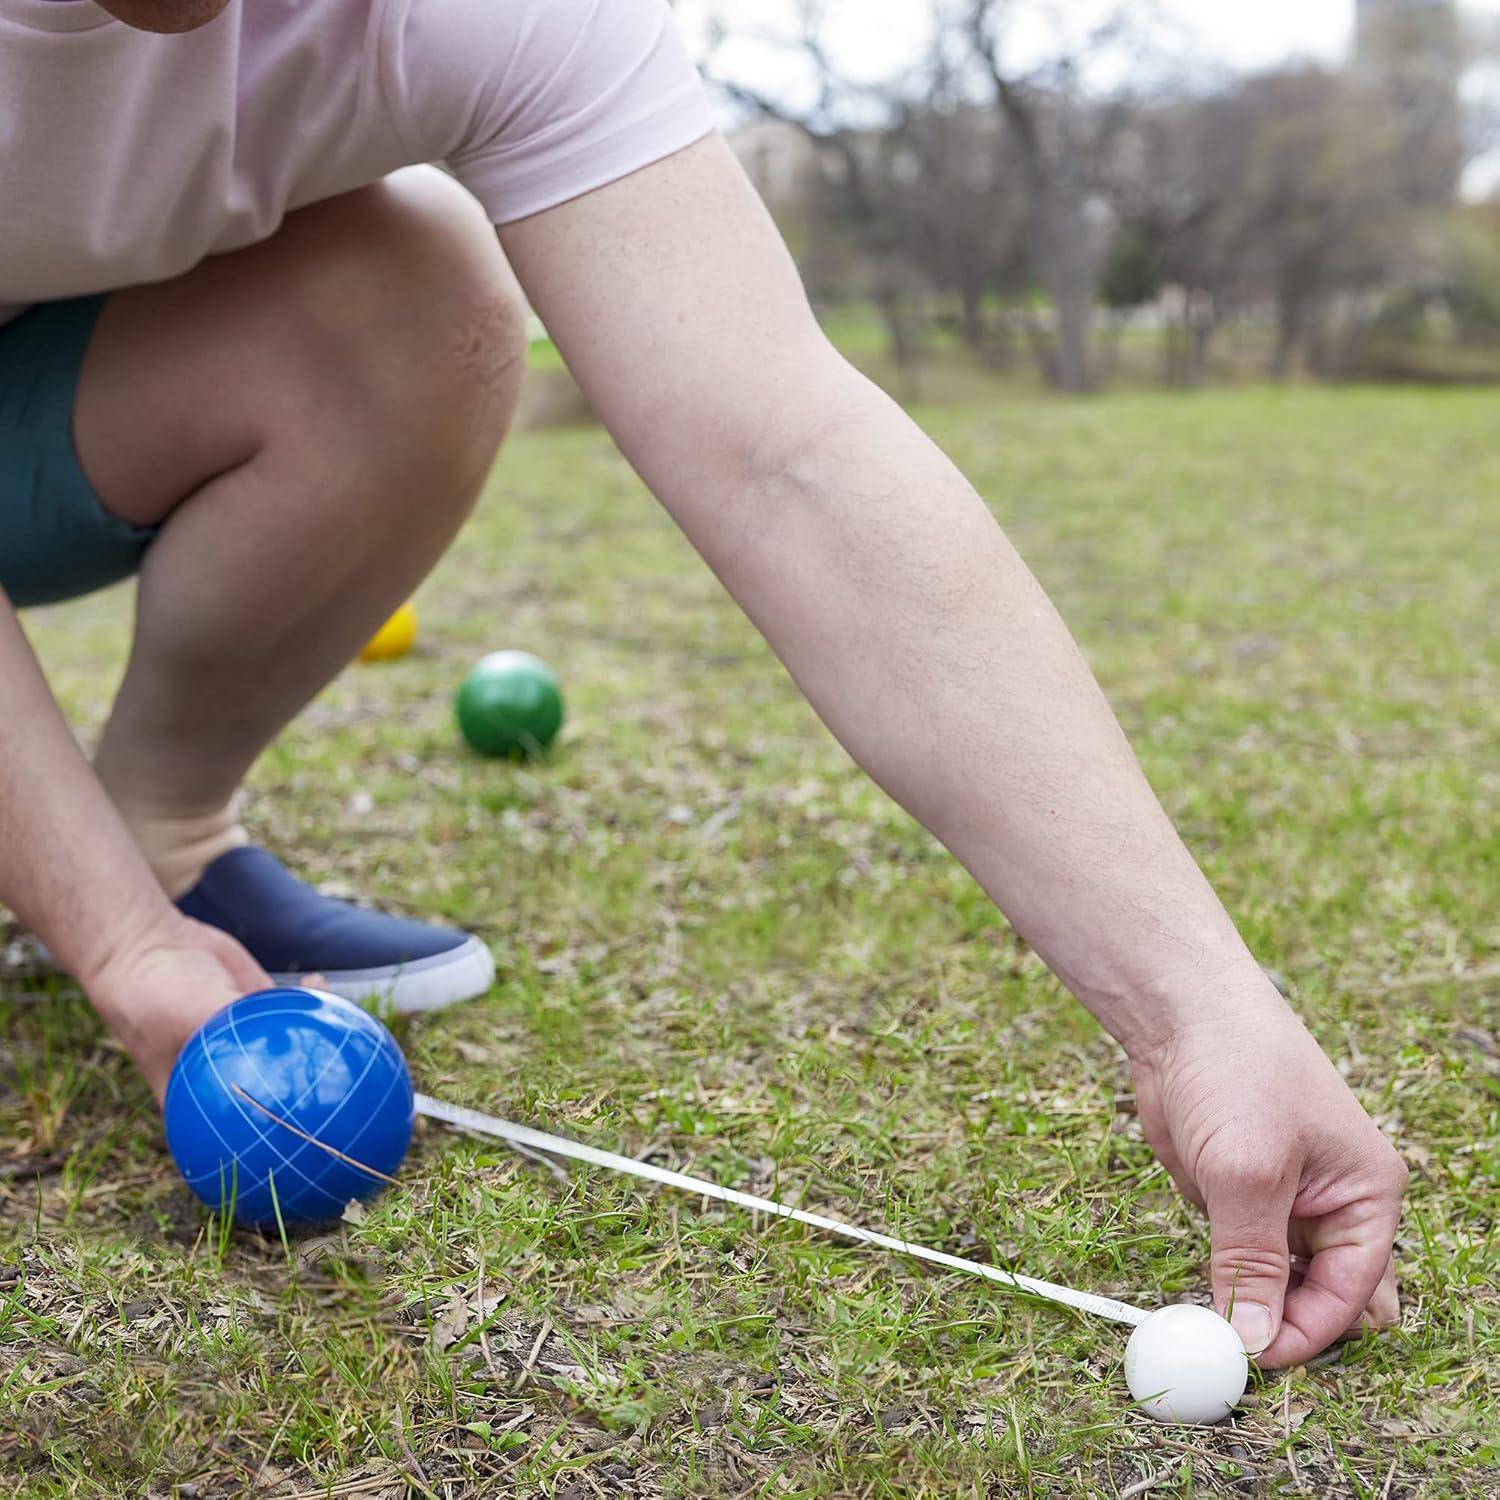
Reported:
(293, 931)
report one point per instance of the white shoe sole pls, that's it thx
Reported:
(463, 973)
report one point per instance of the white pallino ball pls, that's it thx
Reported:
(1186, 1364)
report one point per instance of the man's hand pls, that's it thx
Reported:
(1302, 1191)
(155, 995)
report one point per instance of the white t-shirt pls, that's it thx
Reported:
(128, 157)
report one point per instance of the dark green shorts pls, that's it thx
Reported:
(56, 540)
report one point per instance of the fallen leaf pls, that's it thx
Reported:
(449, 1325)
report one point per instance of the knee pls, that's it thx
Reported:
(405, 303)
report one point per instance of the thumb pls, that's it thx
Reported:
(1251, 1263)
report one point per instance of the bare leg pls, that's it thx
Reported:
(310, 422)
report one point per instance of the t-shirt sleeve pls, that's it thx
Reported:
(532, 102)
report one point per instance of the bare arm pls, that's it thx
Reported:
(71, 872)
(916, 631)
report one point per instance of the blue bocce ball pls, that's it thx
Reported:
(263, 1090)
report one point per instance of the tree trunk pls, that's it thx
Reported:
(987, 338)
(902, 337)
(1173, 360)
(1203, 320)
(1061, 254)
(1043, 346)
(1075, 318)
(1354, 337)
(1203, 334)
(1109, 340)
(1290, 312)
(1067, 271)
(971, 327)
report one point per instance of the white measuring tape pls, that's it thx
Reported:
(555, 1145)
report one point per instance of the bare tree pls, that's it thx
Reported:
(945, 168)
(950, 189)
(1329, 217)
(1175, 176)
(912, 183)
(1294, 191)
(1062, 129)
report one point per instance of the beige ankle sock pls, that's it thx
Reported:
(180, 848)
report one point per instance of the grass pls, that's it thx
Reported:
(720, 947)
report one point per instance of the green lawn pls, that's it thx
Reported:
(722, 948)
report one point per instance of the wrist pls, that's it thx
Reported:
(1149, 1017)
(140, 927)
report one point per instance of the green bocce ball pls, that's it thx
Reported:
(510, 705)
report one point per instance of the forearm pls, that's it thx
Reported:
(68, 867)
(927, 646)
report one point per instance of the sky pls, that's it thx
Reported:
(1238, 33)
(1266, 31)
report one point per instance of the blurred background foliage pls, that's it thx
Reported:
(1084, 193)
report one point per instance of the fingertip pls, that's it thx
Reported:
(1255, 1323)
(1289, 1349)
(1314, 1319)
(1345, 1284)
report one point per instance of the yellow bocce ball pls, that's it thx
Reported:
(395, 638)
